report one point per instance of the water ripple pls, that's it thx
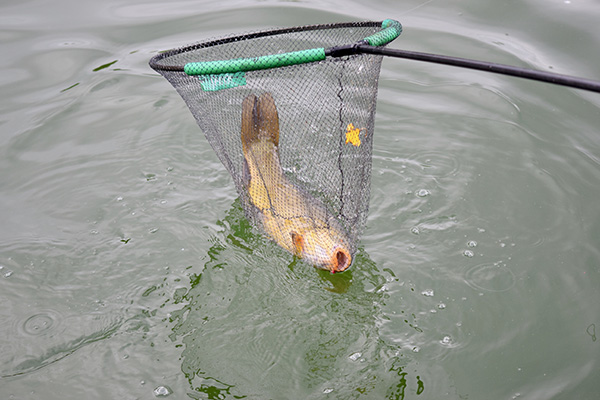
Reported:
(30, 353)
(41, 323)
(494, 277)
(437, 164)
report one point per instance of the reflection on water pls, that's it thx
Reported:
(254, 324)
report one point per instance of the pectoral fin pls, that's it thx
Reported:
(297, 244)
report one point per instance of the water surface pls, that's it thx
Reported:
(127, 265)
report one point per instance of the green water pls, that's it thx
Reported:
(126, 263)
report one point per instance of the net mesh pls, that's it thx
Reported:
(308, 188)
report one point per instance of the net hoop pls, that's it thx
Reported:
(390, 30)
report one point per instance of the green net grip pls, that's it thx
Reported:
(256, 63)
(392, 29)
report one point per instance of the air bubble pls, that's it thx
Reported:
(428, 292)
(441, 306)
(382, 289)
(468, 253)
(355, 356)
(423, 193)
(446, 340)
(162, 391)
(414, 230)
(327, 390)
(472, 243)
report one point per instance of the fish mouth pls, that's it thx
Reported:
(341, 261)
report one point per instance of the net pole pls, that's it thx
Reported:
(542, 76)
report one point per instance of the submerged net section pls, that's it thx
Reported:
(325, 110)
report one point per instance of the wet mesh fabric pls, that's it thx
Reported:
(325, 109)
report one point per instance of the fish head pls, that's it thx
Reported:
(322, 248)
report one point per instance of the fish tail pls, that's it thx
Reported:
(259, 120)
(249, 121)
(268, 118)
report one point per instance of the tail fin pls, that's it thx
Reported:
(259, 120)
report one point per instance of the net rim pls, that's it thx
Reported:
(155, 62)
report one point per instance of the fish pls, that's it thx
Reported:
(292, 217)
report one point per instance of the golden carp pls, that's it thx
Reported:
(293, 218)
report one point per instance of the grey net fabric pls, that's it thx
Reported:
(326, 114)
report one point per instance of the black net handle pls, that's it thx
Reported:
(526, 73)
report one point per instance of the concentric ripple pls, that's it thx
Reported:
(40, 323)
(496, 277)
(437, 164)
